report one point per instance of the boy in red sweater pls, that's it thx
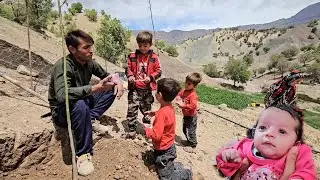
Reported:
(142, 72)
(187, 100)
(163, 133)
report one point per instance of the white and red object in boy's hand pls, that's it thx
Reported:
(179, 100)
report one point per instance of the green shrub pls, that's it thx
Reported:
(6, 11)
(171, 50)
(91, 14)
(211, 70)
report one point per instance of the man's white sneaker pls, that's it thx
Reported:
(99, 128)
(85, 165)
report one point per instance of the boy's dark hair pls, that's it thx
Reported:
(169, 88)
(72, 38)
(294, 111)
(194, 78)
(144, 37)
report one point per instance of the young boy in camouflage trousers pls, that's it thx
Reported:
(142, 72)
(187, 100)
(163, 133)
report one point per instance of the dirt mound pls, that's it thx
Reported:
(113, 159)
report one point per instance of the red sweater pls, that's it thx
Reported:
(163, 131)
(190, 100)
(153, 68)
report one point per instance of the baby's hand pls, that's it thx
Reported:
(230, 155)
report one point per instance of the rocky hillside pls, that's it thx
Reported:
(262, 44)
(305, 15)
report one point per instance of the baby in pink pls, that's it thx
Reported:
(278, 129)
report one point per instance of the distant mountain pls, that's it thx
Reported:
(178, 36)
(307, 14)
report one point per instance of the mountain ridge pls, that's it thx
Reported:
(305, 15)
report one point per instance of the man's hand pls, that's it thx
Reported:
(131, 79)
(230, 155)
(118, 90)
(102, 86)
(147, 79)
(107, 79)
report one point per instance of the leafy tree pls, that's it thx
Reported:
(54, 14)
(290, 52)
(19, 11)
(309, 47)
(314, 71)
(211, 70)
(171, 50)
(39, 13)
(314, 30)
(237, 70)
(313, 23)
(6, 11)
(282, 66)
(102, 12)
(91, 14)
(248, 58)
(160, 44)
(305, 57)
(310, 36)
(257, 53)
(273, 62)
(112, 39)
(75, 8)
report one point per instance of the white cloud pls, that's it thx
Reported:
(196, 14)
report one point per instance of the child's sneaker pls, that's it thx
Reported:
(85, 165)
(131, 135)
(189, 143)
(99, 128)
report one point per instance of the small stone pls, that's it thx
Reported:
(26, 71)
(118, 167)
(222, 106)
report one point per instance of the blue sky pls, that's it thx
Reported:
(196, 14)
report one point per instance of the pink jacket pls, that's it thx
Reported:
(305, 167)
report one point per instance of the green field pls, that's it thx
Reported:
(239, 100)
(233, 99)
(313, 119)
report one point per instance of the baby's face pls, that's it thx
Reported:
(275, 133)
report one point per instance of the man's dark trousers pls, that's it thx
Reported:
(81, 113)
